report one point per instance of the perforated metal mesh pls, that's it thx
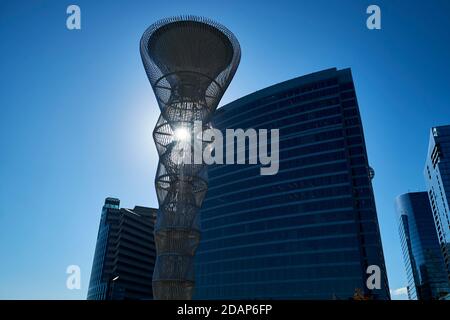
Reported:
(190, 62)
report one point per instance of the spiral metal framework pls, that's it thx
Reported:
(190, 62)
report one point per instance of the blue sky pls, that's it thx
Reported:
(77, 111)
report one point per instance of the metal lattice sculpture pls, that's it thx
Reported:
(190, 62)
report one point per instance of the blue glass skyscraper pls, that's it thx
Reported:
(124, 254)
(425, 269)
(437, 178)
(311, 230)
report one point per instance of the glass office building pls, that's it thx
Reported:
(437, 178)
(124, 254)
(425, 269)
(311, 230)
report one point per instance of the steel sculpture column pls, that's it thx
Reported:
(190, 62)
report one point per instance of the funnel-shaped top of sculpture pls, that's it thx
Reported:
(189, 59)
(190, 46)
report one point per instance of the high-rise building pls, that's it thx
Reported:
(437, 178)
(425, 269)
(124, 254)
(310, 231)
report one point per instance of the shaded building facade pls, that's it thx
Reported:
(124, 254)
(437, 180)
(311, 230)
(425, 269)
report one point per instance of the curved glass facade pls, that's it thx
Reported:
(437, 179)
(311, 230)
(425, 269)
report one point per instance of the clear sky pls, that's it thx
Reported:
(77, 111)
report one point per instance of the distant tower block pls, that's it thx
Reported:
(190, 62)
